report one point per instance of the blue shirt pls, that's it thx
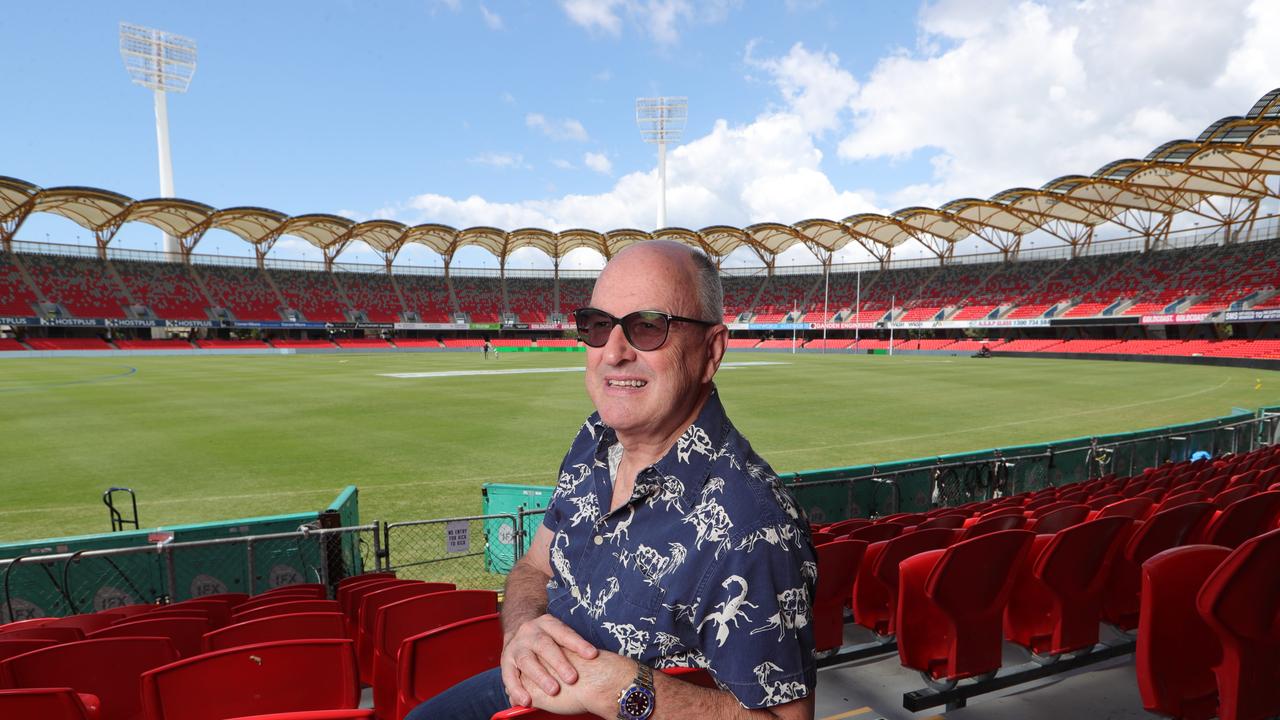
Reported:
(709, 563)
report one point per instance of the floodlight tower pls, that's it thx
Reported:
(165, 63)
(661, 120)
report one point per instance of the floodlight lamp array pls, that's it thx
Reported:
(661, 119)
(157, 60)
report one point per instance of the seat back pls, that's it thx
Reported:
(975, 575)
(108, 668)
(874, 533)
(285, 607)
(942, 522)
(1098, 502)
(397, 622)
(897, 549)
(350, 596)
(11, 648)
(844, 527)
(219, 611)
(231, 598)
(291, 675)
(1165, 529)
(993, 525)
(316, 591)
(1231, 495)
(820, 537)
(1240, 602)
(366, 577)
(1043, 510)
(186, 633)
(837, 567)
(1243, 519)
(1176, 649)
(88, 622)
(1060, 519)
(1074, 563)
(55, 703)
(298, 626)
(367, 617)
(312, 715)
(438, 659)
(44, 632)
(1133, 508)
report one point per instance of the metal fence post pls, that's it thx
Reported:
(250, 575)
(517, 550)
(170, 572)
(377, 546)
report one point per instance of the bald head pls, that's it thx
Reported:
(691, 273)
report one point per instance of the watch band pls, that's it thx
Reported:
(636, 701)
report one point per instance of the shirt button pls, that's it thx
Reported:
(599, 540)
(575, 593)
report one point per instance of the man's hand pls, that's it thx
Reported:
(535, 654)
(599, 680)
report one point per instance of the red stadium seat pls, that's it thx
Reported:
(875, 592)
(10, 648)
(1057, 594)
(436, 660)
(186, 633)
(258, 601)
(286, 606)
(349, 602)
(1240, 602)
(950, 522)
(697, 676)
(1176, 649)
(316, 591)
(366, 577)
(1132, 508)
(312, 715)
(231, 598)
(874, 533)
(1182, 498)
(57, 703)
(367, 617)
(998, 523)
(107, 668)
(1100, 501)
(44, 632)
(1231, 495)
(1059, 519)
(287, 676)
(844, 526)
(88, 622)
(819, 537)
(219, 610)
(398, 621)
(837, 567)
(1163, 530)
(298, 626)
(1242, 520)
(951, 602)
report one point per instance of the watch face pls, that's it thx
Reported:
(637, 704)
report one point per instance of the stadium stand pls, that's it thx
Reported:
(558, 342)
(361, 343)
(739, 292)
(779, 293)
(60, 703)
(84, 286)
(153, 345)
(427, 296)
(16, 296)
(11, 345)
(291, 343)
(166, 288)
(314, 294)
(532, 300)
(371, 293)
(575, 293)
(464, 342)
(734, 343)
(479, 297)
(68, 344)
(245, 292)
(214, 343)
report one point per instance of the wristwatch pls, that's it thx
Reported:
(636, 700)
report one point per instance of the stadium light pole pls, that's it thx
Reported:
(164, 63)
(661, 121)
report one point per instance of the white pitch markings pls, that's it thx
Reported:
(530, 371)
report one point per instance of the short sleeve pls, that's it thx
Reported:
(754, 618)
(575, 469)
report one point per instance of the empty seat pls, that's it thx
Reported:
(1182, 498)
(349, 601)
(56, 703)
(1057, 593)
(219, 610)
(436, 660)
(87, 622)
(231, 598)
(951, 602)
(1163, 530)
(108, 668)
(367, 616)
(44, 632)
(186, 633)
(837, 567)
(821, 537)
(1242, 520)
(845, 526)
(1231, 495)
(1100, 501)
(1176, 649)
(1240, 602)
(397, 622)
(287, 676)
(875, 591)
(1132, 508)
(1059, 519)
(260, 601)
(875, 533)
(285, 607)
(10, 648)
(298, 626)
(952, 521)
(998, 523)
(315, 590)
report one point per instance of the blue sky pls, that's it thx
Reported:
(522, 113)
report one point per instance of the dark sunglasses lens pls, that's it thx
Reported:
(593, 327)
(646, 330)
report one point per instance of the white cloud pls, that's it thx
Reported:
(566, 129)
(492, 20)
(603, 76)
(598, 162)
(660, 19)
(561, 164)
(508, 98)
(500, 160)
(813, 85)
(594, 15)
(1025, 92)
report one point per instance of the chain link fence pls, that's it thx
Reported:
(473, 552)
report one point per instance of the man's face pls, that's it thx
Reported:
(647, 395)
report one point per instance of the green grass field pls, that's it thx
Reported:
(210, 438)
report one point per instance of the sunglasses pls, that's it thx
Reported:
(645, 329)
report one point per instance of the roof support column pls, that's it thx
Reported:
(105, 233)
(11, 221)
(263, 246)
(882, 253)
(187, 241)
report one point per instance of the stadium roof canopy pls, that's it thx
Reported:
(1222, 175)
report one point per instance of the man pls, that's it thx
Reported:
(668, 542)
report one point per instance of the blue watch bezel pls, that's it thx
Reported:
(630, 693)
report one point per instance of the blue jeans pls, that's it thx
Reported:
(476, 698)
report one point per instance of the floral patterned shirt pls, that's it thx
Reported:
(709, 564)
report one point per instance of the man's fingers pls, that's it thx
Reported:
(553, 658)
(515, 691)
(533, 671)
(566, 637)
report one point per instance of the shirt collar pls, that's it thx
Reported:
(689, 459)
